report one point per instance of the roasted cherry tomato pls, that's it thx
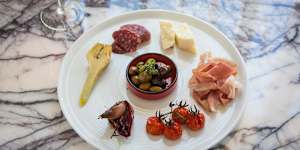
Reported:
(173, 131)
(195, 121)
(155, 126)
(180, 115)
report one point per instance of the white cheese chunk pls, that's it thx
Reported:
(167, 35)
(185, 38)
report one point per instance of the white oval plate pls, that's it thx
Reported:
(111, 87)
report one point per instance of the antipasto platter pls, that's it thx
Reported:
(152, 79)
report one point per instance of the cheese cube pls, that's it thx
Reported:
(167, 35)
(185, 38)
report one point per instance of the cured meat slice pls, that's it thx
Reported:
(218, 60)
(221, 71)
(204, 77)
(193, 81)
(204, 67)
(117, 49)
(126, 40)
(201, 101)
(213, 101)
(203, 94)
(213, 82)
(139, 30)
(204, 86)
(129, 37)
(229, 87)
(223, 98)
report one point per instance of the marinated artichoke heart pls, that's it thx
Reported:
(98, 58)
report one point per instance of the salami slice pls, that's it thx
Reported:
(126, 40)
(139, 30)
(117, 49)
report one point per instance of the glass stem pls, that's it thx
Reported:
(59, 3)
(60, 9)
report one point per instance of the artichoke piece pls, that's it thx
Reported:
(98, 58)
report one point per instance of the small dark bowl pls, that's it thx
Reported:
(149, 94)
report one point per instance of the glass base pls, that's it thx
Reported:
(60, 19)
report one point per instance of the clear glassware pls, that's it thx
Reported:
(68, 14)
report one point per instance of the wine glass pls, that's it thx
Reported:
(68, 14)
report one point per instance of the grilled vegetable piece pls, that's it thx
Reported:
(98, 58)
(116, 111)
(120, 117)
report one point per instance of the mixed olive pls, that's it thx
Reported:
(150, 75)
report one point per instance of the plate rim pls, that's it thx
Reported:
(86, 34)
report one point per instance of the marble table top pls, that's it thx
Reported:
(266, 33)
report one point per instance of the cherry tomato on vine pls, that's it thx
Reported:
(195, 121)
(173, 131)
(155, 126)
(180, 115)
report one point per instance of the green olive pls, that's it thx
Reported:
(139, 64)
(155, 88)
(141, 68)
(133, 70)
(151, 61)
(145, 86)
(153, 72)
(145, 77)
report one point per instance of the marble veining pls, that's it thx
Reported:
(266, 33)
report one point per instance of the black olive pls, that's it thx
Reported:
(167, 81)
(163, 69)
(133, 70)
(158, 80)
(169, 68)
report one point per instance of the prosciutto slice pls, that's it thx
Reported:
(221, 71)
(213, 82)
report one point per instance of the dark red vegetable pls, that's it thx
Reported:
(120, 116)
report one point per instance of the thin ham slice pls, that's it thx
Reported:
(221, 71)
(205, 86)
(229, 87)
(201, 86)
(204, 67)
(218, 60)
(213, 82)
(223, 99)
(213, 101)
(198, 97)
(204, 77)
